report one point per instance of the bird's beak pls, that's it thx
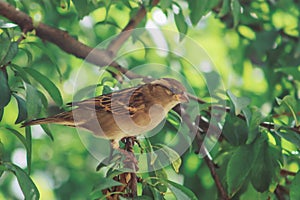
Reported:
(183, 98)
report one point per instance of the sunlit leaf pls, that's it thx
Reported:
(49, 86)
(289, 135)
(181, 24)
(7, 24)
(28, 187)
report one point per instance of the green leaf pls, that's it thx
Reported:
(239, 167)
(289, 135)
(82, 8)
(262, 169)
(49, 86)
(29, 55)
(225, 8)
(200, 8)
(293, 71)
(174, 118)
(161, 174)
(28, 138)
(197, 10)
(33, 102)
(7, 25)
(47, 131)
(288, 103)
(151, 191)
(19, 136)
(104, 183)
(10, 54)
(20, 72)
(181, 24)
(28, 188)
(173, 156)
(239, 102)
(235, 130)
(4, 88)
(236, 11)
(1, 113)
(179, 191)
(4, 24)
(294, 191)
(1, 153)
(255, 120)
(22, 115)
(4, 43)
(48, 53)
(106, 89)
(164, 4)
(43, 99)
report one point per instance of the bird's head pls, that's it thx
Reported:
(171, 88)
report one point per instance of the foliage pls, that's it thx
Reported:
(255, 47)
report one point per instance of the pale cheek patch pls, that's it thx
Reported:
(156, 113)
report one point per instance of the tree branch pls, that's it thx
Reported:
(61, 38)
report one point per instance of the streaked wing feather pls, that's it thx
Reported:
(121, 102)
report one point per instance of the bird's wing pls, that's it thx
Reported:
(127, 101)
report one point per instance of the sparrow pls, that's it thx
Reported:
(125, 113)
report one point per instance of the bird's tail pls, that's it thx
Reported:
(65, 118)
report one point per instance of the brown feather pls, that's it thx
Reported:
(127, 112)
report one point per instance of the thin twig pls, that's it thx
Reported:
(284, 172)
(212, 168)
(116, 44)
(201, 149)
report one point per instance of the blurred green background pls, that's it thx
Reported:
(252, 49)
